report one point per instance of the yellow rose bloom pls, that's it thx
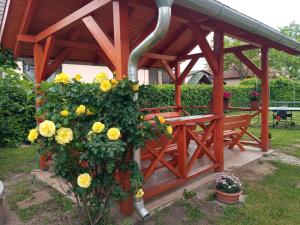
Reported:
(139, 194)
(80, 110)
(98, 127)
(33, 134)
(114, 82)
(105, 86)
(64, 136)
(135, 87)
(89, 113)
(161, 119)
(64, 113)
(62, 78)
(169, 130)
(47, 128)
(77, 77)
(101, 77)
(84, 180)
(113, 134)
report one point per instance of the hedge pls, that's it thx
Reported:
(17, 109)
(281, 89)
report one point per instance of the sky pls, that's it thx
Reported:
(274, 13)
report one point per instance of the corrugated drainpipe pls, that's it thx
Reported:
(161, 29)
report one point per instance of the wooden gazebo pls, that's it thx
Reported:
(104, 32)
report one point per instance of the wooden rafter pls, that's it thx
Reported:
(46, 56)
(104, 42)
(188, 69)
(200, 37)
(77, 15)
(257, 71)
(25, 24)
(168, 69)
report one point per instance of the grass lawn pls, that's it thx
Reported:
(17, 160)
(275, 200)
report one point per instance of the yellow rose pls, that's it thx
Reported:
(77, 77)
(80, 110)
(114, 82)
(101, 77)
(161, 119)
(135, 87)
(64, 113)
(139, 194)
(62, 78)
(113, 134)
(105, 86)
(89, 113)
(142, 117)
(84, 180)
(64, 136)
(47, 128)
(169, 130)
(98, 127)
(33, 134)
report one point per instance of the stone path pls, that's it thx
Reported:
(288, 159)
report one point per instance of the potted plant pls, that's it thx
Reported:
(226, 97)
(254, 99)
(228, 188)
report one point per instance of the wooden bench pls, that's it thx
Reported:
(234, 129)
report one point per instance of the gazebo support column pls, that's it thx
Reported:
(218, 90)
(177, 86)
(265, 99)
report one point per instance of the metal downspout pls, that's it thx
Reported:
(161, 29)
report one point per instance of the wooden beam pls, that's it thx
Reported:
(218, 89)
(264, 99)
(226, 50)
(188, 69)
(248, 63)
(106, 61)
(200, 37)
(26, 38)
(160, 56)
(38, 55)
(168, 70)
(121, 37)
(30, 6)
(104, 42)
(177, 85)
(58, 61)
(76, 44)
(169, 41)
(79, 14)
(46, 56)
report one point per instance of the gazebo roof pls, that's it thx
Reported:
(210, 14)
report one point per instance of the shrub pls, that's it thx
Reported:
(93, 129)
(17, 108)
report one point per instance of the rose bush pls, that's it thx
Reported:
(92, 130)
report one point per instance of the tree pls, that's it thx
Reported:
(7, 60)
(281, 63)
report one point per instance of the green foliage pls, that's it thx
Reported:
(6, 59)
(92, 152)
(281, 89)
(17, 108)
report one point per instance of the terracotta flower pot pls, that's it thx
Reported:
(254, 104)
(228, 197)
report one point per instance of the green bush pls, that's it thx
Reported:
(281, 89)
(17, 109)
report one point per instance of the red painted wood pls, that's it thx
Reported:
(168, 70)
(30, 6)
(248, 63)
(188, 69)
(77, 15)
(46, 56)
(120, 13)
(264, 99)
(218, 90)
(102, 39)
(38, 55)
(177, 85)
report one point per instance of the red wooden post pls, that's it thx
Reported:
(177, 85)
(182, 152)
(120, 13)
(264, 100)
(218, 99)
